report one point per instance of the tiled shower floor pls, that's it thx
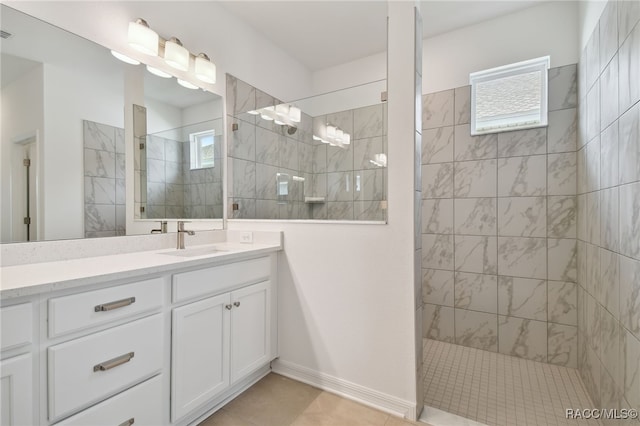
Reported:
(498, 389)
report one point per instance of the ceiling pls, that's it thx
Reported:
(322, 34)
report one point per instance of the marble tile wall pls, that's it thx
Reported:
(261, 154)
(608, 209)
(499, 228)
(104, 180)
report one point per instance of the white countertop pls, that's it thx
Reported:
(28, 279)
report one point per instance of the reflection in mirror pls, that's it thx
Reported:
(181, 152)
(332, 165)
(63, 111)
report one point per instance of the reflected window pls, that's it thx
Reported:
(202, 149)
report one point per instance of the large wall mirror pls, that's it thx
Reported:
(63, 149)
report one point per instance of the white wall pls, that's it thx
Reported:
(162, 117)
(71, 96)
(550, 28)
(22, 116)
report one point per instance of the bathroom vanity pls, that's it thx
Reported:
(147, 338)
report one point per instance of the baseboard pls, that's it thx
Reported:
(372, 398)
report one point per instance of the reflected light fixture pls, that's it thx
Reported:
(125, 58)
(159, 73)
(205, 70)
(142, 38)
(186, 84)
(295, 114)
(176, 55)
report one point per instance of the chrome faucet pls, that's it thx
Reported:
(181, 232)
(162, 229)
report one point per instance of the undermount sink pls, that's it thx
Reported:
(195, 251)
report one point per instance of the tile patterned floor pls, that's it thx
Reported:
(500, 390)
(278, 401)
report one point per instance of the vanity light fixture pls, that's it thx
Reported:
(205, 69)
(334, 136)
(186, 84)
(159, 73)
(295, 114)
(176, 55)
(143, 38)
(253, 112)
(125, 58)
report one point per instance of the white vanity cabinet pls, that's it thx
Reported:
(16, 366)
(221, 339)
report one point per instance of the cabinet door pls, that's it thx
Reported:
(250, 329)
(200, 353)
(16, 391)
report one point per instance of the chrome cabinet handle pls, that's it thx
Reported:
(129, 422)
(114, 362)
(236, 304)
(115, 305)
(228, 307)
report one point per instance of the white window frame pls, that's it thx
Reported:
(195, 160)
(524, 67)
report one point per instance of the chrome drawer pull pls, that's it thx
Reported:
(107, 365)
(236, 304)
(228, 307)
(115, 305)
(128, 422)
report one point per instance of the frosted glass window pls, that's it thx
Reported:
(510, 97)
(202, 151)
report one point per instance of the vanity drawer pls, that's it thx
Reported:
(139, 406)
(84, 310)
(91, 368)
(189, 285)
(16, 326)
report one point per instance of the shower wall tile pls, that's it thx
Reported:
(437, 216)
(267, 209)
(99, 190)
(475, 178)
(593, 217)
(368, 185)
(438, 287)
(593, 57)
(437, 180)
(99, 136)
(339, 187)
(120, 146)
(120, 191)
(522, 216)
(563, 87)
(522, 257)
(593, 112)
(339, 160)
(475, 216)
(609, 156)
(629, 222)
(561, 174)
(344, 120)
(562, 131)
(99, 217)
(242, 142)
(246, 208)
(593, 164)
(609, 94)
(629, 70)
(267, 146)
(476, 330)
(522, 142)
(476, 292)
(608, 33)
(610, 338)
(367, 122)
(628, 17)
(340, 210)
(99, 163)
(631, 368)
(288, 153)
(475, 254)
(562, 255)
(437, 145)
(609, 208)
(522, 297)
(629, 128)
(609, 296)
(522, 176)
(438, 323)
(462, 104)
(523, 338)
(562, 345)
(561, 221)
(562, 302)
(243, 175)
(365, 150)
(320, 158)
(467, 147)
(437, 251)
(438, 109)
(369, 210)
(630, 294)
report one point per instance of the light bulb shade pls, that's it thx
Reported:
(186, 84)
(253, 112)
(295, 114)
(205, 70)
(282, 109)
(125, 58)
(339, 135)
(346, 139)
(176, 55)
(331, 132)
(143, 38)
(159, 73)
(316, 138)
(278, 122)
(265, 116)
